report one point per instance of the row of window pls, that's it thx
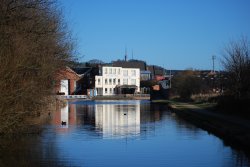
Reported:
(112, 71)
(118, 71)
(109, 81)
(116, 82)
(111, 90)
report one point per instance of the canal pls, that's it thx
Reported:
(116, 134)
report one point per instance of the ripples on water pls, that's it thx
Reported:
(120, 133)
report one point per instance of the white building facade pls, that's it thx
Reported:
(113, 78)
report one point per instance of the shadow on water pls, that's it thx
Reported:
(28, 151)
(119, 133)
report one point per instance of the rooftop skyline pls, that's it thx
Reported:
(173, 34)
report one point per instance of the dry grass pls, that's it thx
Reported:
(199, 98)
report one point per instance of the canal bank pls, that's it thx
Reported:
(122, 97)
(233, 130)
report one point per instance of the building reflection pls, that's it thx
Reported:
(110, 119)
(115, 120)
(64, 117)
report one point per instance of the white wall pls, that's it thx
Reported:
(130, 75)
(64, 87)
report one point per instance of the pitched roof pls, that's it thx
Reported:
(81, 70)
(67, 73)
(130, 64)
(156, 70)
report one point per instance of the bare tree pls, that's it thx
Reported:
(236, 63)
(34, 44)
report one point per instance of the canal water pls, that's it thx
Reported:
(116, 134)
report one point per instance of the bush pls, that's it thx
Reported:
(186, 83)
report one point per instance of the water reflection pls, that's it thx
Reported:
(118, 121)
(111, 119)
(119, 133)
(101, 126)
(64, 118)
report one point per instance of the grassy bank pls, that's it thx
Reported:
(233, 130)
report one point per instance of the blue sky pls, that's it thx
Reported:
(176, 34)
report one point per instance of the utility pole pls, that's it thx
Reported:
(170, 76)
(213, 59)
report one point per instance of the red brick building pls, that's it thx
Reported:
(65, 81)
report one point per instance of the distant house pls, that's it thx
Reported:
(145, 76)
(157, 72)
(65, 81)
(117, 80)
(86, 82)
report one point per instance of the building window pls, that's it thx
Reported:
(114, 71)
(105, 70)
(133, 81)
(110, 81)
(119, 71)
(106, 81)
(106, 90)
(110, 90)
(110, 70)
(114, 81)
(119, 82)
(125, 81)
(114, 90)
(125, 72)
(99, 81)
(133, 72)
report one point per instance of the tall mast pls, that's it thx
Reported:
(126, 56)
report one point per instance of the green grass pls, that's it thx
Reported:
(206, 105)
(161, 101)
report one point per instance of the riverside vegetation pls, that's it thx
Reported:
(234, 86)
(34, 44)
(226, 113)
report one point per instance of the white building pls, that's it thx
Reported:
(117, 80)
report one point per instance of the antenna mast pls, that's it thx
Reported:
(125, 53)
